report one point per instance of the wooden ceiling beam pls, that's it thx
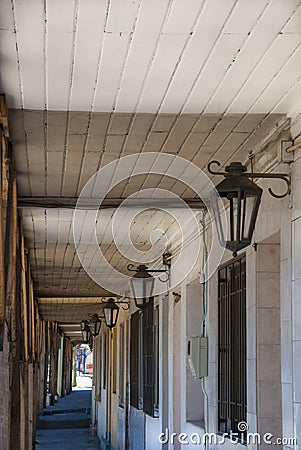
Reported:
(71, 203)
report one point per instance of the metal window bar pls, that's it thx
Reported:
(148, 358)
(156, 361)
(134, 359)
(121, 365)
(232, 345)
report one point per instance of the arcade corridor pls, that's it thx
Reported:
(150, 177)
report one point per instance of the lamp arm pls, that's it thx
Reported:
(129, 267)
(214, 172)
(281, 176)
(167, 276)
(126, 303)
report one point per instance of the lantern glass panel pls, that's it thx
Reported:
(248, 206)
(108, 316)
(83, 324)
(86, 334)
(217, 217)
(142, 289)
(95, 326)
(234, 219)
(111, 314)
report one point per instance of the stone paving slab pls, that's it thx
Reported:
(61, 427)
(80, 399)
(65, 420)
(71, 439)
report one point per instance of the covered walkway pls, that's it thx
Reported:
(118, 118)
(66, 425)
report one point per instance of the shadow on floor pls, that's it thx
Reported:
(65, 426)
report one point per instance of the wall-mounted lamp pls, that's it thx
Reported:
(85, 329)
(95, 324)
(111, 310)
(243, 198)
(142, 283)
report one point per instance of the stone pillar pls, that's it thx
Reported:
(296, 297)
(268, 344)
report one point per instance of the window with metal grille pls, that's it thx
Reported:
(144, 361)
(134, 361)
(232, 345)
(148, 358)
(156, 361)
(105, 356)
(121, 365)
(114, 360)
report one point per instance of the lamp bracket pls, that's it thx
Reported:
(125, 305)
(131, 268)
(118, 302)
(281, 176)
(214, 172)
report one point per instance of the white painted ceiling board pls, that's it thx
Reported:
(288, 102)
(161, 72)
(245, 16)
(141, 52)
(74, 33)
(39, 225)
(196, 53)
(281, 84)
(294, 24)
(122, 15)
(29, 23)
(6, 16)
(254, 49)
(92, 16)
(275, 59)
(9, 79)
(114, 53)
(59, 64)
(28, 18)
(60, 15)
(183, 15)
(214, 70)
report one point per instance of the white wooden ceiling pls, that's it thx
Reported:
(89, 81)
(168, 56)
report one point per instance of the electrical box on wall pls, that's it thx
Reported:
(198, 356)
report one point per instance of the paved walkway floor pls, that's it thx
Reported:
(68, 439)
(77, 400)
(65, 426)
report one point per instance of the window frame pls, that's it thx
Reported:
(144, 360)
(121, 369)
(232, 345)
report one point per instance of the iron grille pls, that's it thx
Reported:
(232, 345)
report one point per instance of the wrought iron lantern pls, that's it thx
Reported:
(86, 332)
(243, 198)
(95, 324)
(142, 286)
(111, 311)
(142, 283)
